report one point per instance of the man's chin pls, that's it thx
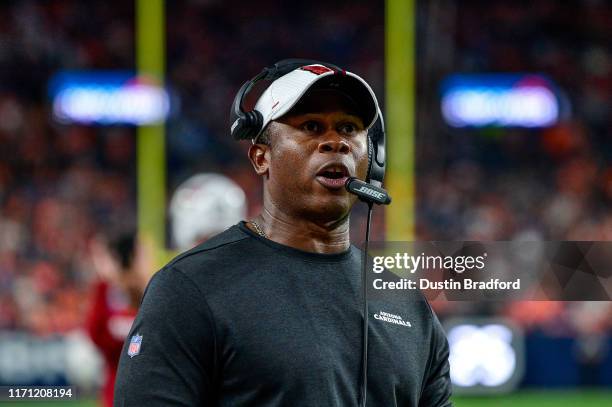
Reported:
(331, 207)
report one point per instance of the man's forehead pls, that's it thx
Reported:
(323, 101)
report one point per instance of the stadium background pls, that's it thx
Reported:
(62, 183)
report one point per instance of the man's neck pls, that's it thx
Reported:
(304, 234)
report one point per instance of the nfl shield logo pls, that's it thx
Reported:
(134, 348)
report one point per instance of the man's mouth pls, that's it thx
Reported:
(333, 176)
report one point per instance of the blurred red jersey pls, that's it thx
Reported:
(108, 324)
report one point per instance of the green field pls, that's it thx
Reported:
(540, 399)
(519, 399)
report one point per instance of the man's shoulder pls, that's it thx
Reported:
(221, 263)
(220, 247)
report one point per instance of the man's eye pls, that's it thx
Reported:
(311, 126)
(348, 128)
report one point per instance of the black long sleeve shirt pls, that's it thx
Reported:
(243, 321)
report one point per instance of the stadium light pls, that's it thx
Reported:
(501, 100)
(486, 355)
(108, 98)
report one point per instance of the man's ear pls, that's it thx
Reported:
(259, 156)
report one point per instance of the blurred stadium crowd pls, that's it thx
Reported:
(525, 184)
(498, 184)
(62, 184)
(58, 185)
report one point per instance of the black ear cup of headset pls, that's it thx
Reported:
(376, 153)
(246, 125)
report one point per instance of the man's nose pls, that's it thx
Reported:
(333, 143)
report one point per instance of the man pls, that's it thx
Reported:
(268, 313)
(123, 269)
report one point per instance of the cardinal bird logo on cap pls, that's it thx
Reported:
(316, 69)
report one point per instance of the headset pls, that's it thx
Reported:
(247, 125)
